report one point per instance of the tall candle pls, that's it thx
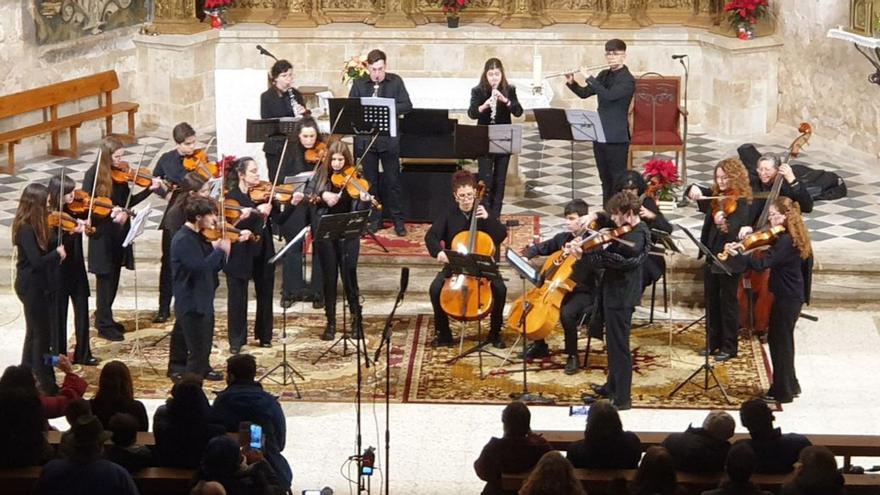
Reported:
(536, 70)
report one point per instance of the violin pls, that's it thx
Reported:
(123, 173)
(755, 240)
(232, 209)
(101, 206)
(260, 193)
(349, 179)
(315, 155)
(726, 204)
(198, 162)
(229, 233)
(66, 222)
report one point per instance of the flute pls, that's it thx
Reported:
(582, 70)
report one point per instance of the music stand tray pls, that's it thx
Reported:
(505, 139)
(364, 116)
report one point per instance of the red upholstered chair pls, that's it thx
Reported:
(656, 123)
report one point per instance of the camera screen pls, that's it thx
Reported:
(256, 437)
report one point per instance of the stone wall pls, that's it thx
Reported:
(825, 81)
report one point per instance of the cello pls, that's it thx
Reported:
(753, 294)
(463, 297)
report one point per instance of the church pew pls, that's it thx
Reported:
(150, 481)
(143, 438)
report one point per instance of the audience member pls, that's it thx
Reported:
(240, 473)
(22, 428)
(208, 488)
(245, 400)
(517, 451)
(54, 406)
(125, 450)
(656, 475)
(815, 474)
(75, 409)
(81, 470)
(182, 426)
(776, 453)
(605, 444)
(553, 475)
(702, 450)
(115, 395)
(740, 467)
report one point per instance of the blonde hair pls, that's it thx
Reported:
(794, 225)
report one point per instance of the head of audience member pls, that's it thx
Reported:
(208, 488)
(756, 416)
(719, 425)
(603, 422)
(115, 385)
(85, 441)
(22, 377)
(188, 403)
(816, 472)
(516, 419)
(22, 424)
(221, 460)
(573, 210)
(75, 409)
(656, 473)
(630, 181)
(124, 428)
(553, 475)
(741, 463)
(241, 368)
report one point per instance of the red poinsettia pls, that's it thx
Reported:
(746, 11)
(217, 4)
(662, 178)
(453, 7)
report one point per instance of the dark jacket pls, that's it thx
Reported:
(777, 453)
(622, 279)
(715, 239)
(170, 167)
(508, 455)
(132, 458)
(453, 221)
(181, 442)
(257, 479)
(731, 488)
(390, 87)
(194, 264)
(585, 276)
(622, 451)
(70, 275)
(247, 401)
(273, 106)
(244, 255)
(615, 90)
(503, 111)
(34, 264)
(65, 477)
(104, 411)
(786, 268)
(794, 191)
(696, 451)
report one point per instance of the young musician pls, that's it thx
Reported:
(30, 235)
(195, 263)
(170, 169)
(621, 292)
(578, 302)
(614, 87)
(248, 259)
(385, 85)
(767, 169)
(725, 216)
(280, 100)
(655, 265)
(339, 256)
(106, 254)
(70, 279)
(450, 223)
(788, 259)
(493, 101)
(298, 214)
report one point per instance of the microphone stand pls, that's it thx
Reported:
(687, 71)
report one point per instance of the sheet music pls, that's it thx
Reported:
(138, 224)
(377, 114)
(585, 125)
(505, 139)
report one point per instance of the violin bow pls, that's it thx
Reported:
(61, 201)
(136, 172)
(94, 185)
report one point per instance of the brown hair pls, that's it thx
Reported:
(376, 55)
(794, 224)
(278, 68)
(493, 63)
(463, 178)
(323, 172)
(182, 131)
(553, 475)
(104, 185)
(32, 211)
(114, 384)
(624, 202)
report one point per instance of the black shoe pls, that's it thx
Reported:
(214, 376)
(318, 302)
(374, 227)
(600, 390)
(329, 331)
(443, 341)
(712, 352)
(162, 316)
(496, 341)
(234, 350)
(624, 406)
(723, 356)
(111, 335)
(266, 345)
(119, 326)
(89, 361)
(400, 229)
(306, 295)
(537, 350)
(572, 365)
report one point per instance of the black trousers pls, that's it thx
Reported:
(611, 162)
(37, 337)
(339, 258)
(237, 304)
(441, 319)
(106, 286)
(79, 297)
(574, 307)
(618, 323)
(293, 278)
(191, 341)
(722, 310)
(493, 172)
(165, 277)
(389, 154)
(273, 159)
(783, 316)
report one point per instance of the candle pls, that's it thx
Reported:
(536, 70)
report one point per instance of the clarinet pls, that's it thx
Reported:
(375, 90)
(293, 102)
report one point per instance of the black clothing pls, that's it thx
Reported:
(655, 265)
(100, 477)
(696, 451)
(70, 282)
(786, 268)
(778, 453)
(621, 451)
(170, 167)
(795, 191)
(508, 455)
(503, 111)
(257, 479)
(732, 488)
(274, 105)
(181, 443)
(806, 485)
(611, 161)
(132, 458)
(584, 276)
(104, 411)
(492, 170)
(385, 148)
(197, 332)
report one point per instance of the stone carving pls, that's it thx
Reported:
(62, 20)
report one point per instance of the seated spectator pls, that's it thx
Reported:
(702, 450)
(54, 406)
(208, 488)
(81, 470)
(240, 473)
(815, 474)
(245, 400)
(656, 475)
(75, 409)
(22, 428)
(517, 451)
(115, 395)
(776, 453)
(605, 444)
(740, 467)
(125, 450)
(553, 475)
(182, 427)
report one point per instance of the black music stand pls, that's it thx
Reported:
(480, 266)
(342, 226)
(707, 368)
(257, 130)
(569, 125)
(471, 141)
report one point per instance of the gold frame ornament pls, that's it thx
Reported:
(861, 17)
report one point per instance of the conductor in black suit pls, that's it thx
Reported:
(614, 87)
(384, 85)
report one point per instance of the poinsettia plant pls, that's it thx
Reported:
(355, 68)
(452, 7)
(662, 178)
(746, 11)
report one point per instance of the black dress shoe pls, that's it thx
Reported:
(623, 406)
(318, 302)
(373, 227)
(89, 361)
(400, 229)
(442, 341)
(572, 365)
(266, 345)
(723, 356)
(590, 399)
(712, 352)
(161, 317)
(214, 376)
(600, 390)
(111, 335)
(175, 377)
(329, 331)
(537, 350)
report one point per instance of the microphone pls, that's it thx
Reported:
(265, 52)
(674, 57)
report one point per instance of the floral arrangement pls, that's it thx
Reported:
(662, 178)
(452, 7)
(746, 11)
(226, 169)
(214, 10)
(355, 68)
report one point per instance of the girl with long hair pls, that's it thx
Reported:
(553, 475)
(116, 395)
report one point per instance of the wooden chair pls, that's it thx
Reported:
(656, 122)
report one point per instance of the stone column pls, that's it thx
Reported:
(176, 17)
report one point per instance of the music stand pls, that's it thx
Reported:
(136, 228)
(707, 369)
(569, 125)
(258, 130)
(364, 116)
(480, 266)
(342, 226)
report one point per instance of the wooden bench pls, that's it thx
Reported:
(49, 98)
(846, 446)
(143, 438)
(151, 480)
